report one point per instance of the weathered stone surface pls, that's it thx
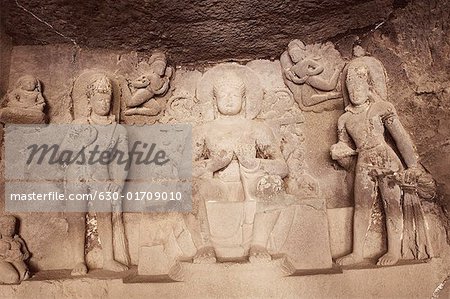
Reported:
(308, 244)
(191, 31)
(412, 43)
(413, 46)
(237, 281)
(5, 59)
(153, 261)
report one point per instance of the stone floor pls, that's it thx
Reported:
(419, 280)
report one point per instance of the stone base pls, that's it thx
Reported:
(243, 280)
(307, 245)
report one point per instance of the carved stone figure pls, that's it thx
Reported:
(312, 72)
(25, 103)
(280, 110)
(364, 123)
(98, 130)
(236, 159)
(153, 80)
(13, 252)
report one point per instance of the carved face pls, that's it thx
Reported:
(7, 226)
(229, 94)
(358, 85)
(296, 55)
(28, 83)
(229, 100)
(101, 102)
(159, 67)
(100, 96)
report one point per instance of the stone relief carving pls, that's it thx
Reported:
(13, 252)
(144, 83)
(379, 169)
(241, 205)
(279, 109)
(254, 197)
(99, 129)
(232, 152)
(25, 103)
(312, 73)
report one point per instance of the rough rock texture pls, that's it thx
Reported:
(191, 31)
(414, 47)
(5, 57)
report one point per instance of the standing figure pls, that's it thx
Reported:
(154, 82)
(25, 103)
(363, 124)
(99, 132)
(13, 252)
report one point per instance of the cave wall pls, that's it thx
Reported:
(414, 47)
(412, 44)
(191, 31)
(5, 58)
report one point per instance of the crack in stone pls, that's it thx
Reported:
(46, 23)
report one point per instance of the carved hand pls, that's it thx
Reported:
(4, 246)
(141, 82)
(341, 150)
(411, 175)
(114, 187)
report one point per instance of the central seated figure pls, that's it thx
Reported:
(234, 154)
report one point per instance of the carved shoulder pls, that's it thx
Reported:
(386, 110)
(343, 120)
(285, 60)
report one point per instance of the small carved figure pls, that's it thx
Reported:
(154, 82)
(309, 66)
(99, 131)
(25, 103)
(13, 252)
(367, 116)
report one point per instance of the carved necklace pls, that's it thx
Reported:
(358, 109)
(101, 120)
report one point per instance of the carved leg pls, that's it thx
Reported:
(198, 224)
(262, 227)
(173, 252)
(139, 97)
(153, 109)
(76, 219)
(8, 274)
(106, 238)
(22, 269)
(391, 195)
(77, 232)
(151, 106)
(205, 251)
(365, 194)
(319, 98)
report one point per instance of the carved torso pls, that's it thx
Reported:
(367, 128)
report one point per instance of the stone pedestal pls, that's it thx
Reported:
(307, 244)
(231, 225)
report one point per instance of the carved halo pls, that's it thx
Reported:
(253, 89)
